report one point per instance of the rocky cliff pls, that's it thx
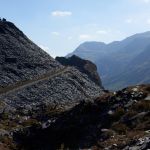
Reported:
(85, 66)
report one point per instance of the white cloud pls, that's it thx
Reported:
(61, 13)
(84, 36)
(148, 21)
(70, 38)
(45, 48)
(56, 33)
(129, 20)
(92, 25)
(141, 1)
(146, 1)
(102, 32)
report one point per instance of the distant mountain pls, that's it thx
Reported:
(137, 72)
(115, 58)
(89, 50)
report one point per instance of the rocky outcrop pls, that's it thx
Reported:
(82, 65)
(140, 144)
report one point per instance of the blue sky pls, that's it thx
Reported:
(59, 26)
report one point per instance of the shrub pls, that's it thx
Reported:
(118, 114)
(142, 106)
(120, 128)
(30, 122)
(130, 114)
(4, 116)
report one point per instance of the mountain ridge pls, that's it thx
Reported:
(114, 58)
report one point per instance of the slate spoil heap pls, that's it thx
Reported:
(29, 77)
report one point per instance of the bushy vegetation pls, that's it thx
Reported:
(119, 112)
(120, 128)
(141, 106)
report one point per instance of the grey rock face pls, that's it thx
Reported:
(141, 144)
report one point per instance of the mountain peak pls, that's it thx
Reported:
(91, 44)
(89, 47)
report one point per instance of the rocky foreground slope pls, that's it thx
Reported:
(114, 121)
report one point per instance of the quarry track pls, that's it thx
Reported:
(47, 76)
(26, 83)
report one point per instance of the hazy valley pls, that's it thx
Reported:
(120, 63)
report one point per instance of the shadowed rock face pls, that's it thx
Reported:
(84, 66)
